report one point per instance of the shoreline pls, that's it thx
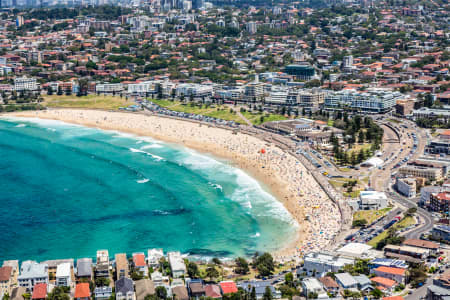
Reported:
(242, 151)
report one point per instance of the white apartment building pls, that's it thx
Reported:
(176, 264)
(319, 263)
(154, 256)
(32, 273)
(25, 84)
(370, 101)
(109, 88)
(63, 274)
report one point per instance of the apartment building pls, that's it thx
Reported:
(440, 202)
(25, 84)
(32, 273)
(370, 101)
(433, 174)
(317, 264)
(64, 274)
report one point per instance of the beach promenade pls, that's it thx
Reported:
(283, 173)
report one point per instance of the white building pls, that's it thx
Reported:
(142, 87)
(176, 264)
(154, 256)
(348, 61)
(102, 263)
(369, 200)
(319, 263)
(252, 27)
(355, 250)
(25, 84)
(370, 101)
(406, 187)
(63, 275)
(109, 88)
(313, 285)
(32, 273)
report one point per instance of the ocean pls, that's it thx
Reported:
(68, 191)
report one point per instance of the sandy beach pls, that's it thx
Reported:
(283, 174)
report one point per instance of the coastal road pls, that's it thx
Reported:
(420, 292)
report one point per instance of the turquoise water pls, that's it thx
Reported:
(67, 191)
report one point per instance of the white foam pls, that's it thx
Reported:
(152, 146)
(216, 186)
(143, 180)
(146, 153)
(255, 235)
(21, 125)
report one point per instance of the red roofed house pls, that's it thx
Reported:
(82, 291)
(213, 291)
(139, 263)
(5, 280)
(385, 283)
(40, 291)
(397, 274)
(393, 298)
(228, 287)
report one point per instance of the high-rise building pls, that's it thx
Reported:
(252, 27)
(348, 61)
(19, 21)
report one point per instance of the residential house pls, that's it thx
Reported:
(17, 293)
(103, 292)
(180, 293)
(213, 291)
(121, 265)
(14, 264)
(32, 273)
(139, 263)
(396, 274)
(364, 283)
(5, 280)
(154, 257)
(431, 246)
(387, 262)
(443, 280)
(125, 289)
(384, 283)
(176, 264)
(260, 288)
(144, 287)
(54, 263)
(63, 275)
(330, 285)
(228, 287)
(313, 285)
(157, 278)
(82, 291)
(346, 281)
(435, 292)
(84, 268)
(196, 288)
(39, 292)
(102, 264)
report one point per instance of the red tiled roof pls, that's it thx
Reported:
(213, 291)
(386, 282)
(40, 291)
(393, 298)
(139, 260)
(228, 287)
(5, 273)
(390, 270)
(82, 290)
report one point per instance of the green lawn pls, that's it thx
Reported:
(394, 121)
(255, 118)
(353, 194)
(89, 101)
(405, 222)
(218, 111)
(370, 215)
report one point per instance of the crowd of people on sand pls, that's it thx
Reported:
(317, 215)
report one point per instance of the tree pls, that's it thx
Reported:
(101, 281)
(267, 294)
(192, 269)
(241, 266)
(376, 293)
(49, 90)
(211, 272)
(264, 264)
(253, 294)
(359, 223)
(289, 279)
(417, 274)
(161, 292)
(216, 261)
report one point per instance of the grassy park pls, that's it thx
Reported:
(370, 215)
(405, 222)
(89, 101)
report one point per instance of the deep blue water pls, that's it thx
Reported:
(67, 191)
